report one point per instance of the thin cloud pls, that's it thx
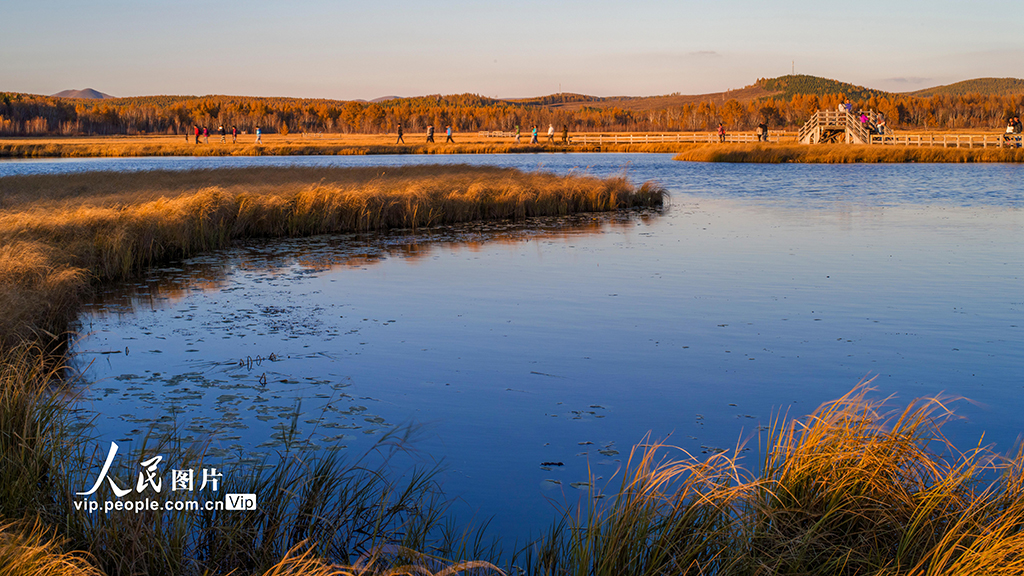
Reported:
(908, 80)
(705, 54)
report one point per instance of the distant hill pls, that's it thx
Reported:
(88, 94)
(986, 86)
(791, 85)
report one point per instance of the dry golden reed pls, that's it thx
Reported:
(118, 149)
(31, 551)
(59, 232)
(844, 154)
(854, 488)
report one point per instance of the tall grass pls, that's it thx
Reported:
(32, 419)
(852, 489)
(59, 232)
(844, 154)
(361, 512)
(30, 550)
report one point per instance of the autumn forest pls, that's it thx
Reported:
(34, 115)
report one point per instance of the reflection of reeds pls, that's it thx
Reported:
(58, 231)
(844, 154)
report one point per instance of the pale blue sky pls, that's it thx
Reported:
(346, 50)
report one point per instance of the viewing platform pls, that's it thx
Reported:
(840, 126)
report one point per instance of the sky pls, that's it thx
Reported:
(374, 48)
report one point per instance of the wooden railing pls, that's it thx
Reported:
(686, 137)
(948, 140)
(616, 138)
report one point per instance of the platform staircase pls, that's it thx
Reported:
(838, 126)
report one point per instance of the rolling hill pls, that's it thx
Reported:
(87, 94)
(986, 86)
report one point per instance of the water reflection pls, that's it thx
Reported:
(163, 286)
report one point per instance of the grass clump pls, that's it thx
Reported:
(31, 551)
(851, 489)
(844, 154)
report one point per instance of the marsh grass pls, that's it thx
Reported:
(58, 233)
(294, 145)
(844, 154)
(361, 513)
(32, 420)
(31, 550)
(854, 488)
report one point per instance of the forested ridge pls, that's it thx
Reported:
(791, 101)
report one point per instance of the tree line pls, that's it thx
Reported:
(32, 115)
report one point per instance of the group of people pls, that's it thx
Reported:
(873, 122)
(448, 134)
(551, 134)
(205, 133)
(430, 134)
(761, 132)
(1012, 137)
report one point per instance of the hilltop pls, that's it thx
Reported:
(86, 94)
(986, 86)
(803, 84)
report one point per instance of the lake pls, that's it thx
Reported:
(534, 355)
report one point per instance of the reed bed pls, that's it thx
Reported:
(58, 233)
(118, 149)
(844, 154)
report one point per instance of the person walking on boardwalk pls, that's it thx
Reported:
(448, 132)
(195, 127)
(565, 134)
(533, 136)
(220, 130)
(234, 135)
(517, 134)
(206, 135)
(400, 139)
(721, 132)
(430, 133)
(762, 131)
(259, 136)
(551, 133)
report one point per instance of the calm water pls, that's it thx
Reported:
(759, 289)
